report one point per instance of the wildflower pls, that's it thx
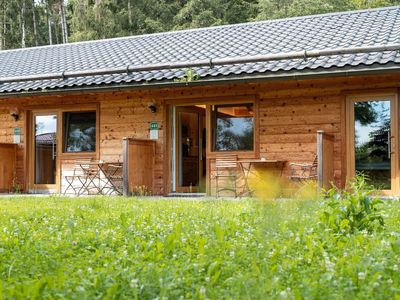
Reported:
(134, 283)
(202, 290)
(80, 289)
(283, 294)
(361, 275)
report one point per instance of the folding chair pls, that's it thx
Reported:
(91, 179)
(300, 172)
(226, 170)
(113, 178)
(78, 175)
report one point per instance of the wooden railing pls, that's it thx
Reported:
(8, 157)
(138, 165)
(325, 148)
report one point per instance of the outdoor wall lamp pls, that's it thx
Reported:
(14, 112)
(153, 108)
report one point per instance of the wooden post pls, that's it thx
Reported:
(325, 149)
(125, 168)
(320, 155)
(138, 165)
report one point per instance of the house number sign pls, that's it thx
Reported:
(153, 130)
(17, 135)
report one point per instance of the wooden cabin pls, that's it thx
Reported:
(168, 104)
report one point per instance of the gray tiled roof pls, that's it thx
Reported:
(349, 29)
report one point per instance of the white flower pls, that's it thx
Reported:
(134, 283)
(202, 290)
(80, 289)
(361, 275)
(283, 294)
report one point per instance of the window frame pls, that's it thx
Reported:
(215, 100)
(64, 133)
(214, 123)
(74, 155)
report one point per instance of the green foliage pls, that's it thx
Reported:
(15, 186)
(125, 248)
(273, 9)
(353, 209)
(141, 191)
(190, 75)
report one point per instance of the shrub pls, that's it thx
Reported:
(353, 209)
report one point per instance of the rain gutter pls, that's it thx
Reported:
(211, 62)
(253, 78)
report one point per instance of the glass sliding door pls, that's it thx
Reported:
(374, 140)
(44, 152)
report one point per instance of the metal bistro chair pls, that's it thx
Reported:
(226, 170)
(113, 178)
(92, 178)
(300, 172)
(78, 176)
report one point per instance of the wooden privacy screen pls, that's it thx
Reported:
(8, 153)
(139, 157)
(325, 145)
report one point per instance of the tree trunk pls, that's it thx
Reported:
(2, 16)
(23, 32)
(35, 35)
(49, 23)
(56, 32)
(130, 16)
(63, 20)
(4, 29)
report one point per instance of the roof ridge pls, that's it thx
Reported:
(202, 29)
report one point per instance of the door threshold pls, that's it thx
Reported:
(187, 195)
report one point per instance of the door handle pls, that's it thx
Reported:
(53, 150)
(390, 151)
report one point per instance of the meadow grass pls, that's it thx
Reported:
(126, 248)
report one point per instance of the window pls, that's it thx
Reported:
(233, 127)
(79, 131)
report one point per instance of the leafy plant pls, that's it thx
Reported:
(353, 209)
(15, 186)
(190, 75)
(129, 248)
(141, 191)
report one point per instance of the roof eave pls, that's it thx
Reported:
(376, 69)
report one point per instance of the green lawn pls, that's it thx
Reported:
(168, 249)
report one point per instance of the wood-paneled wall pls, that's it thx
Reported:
(8, 157)
(7, 125)
(290, 113)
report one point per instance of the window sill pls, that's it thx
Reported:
(240, 154)
(75, 155)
